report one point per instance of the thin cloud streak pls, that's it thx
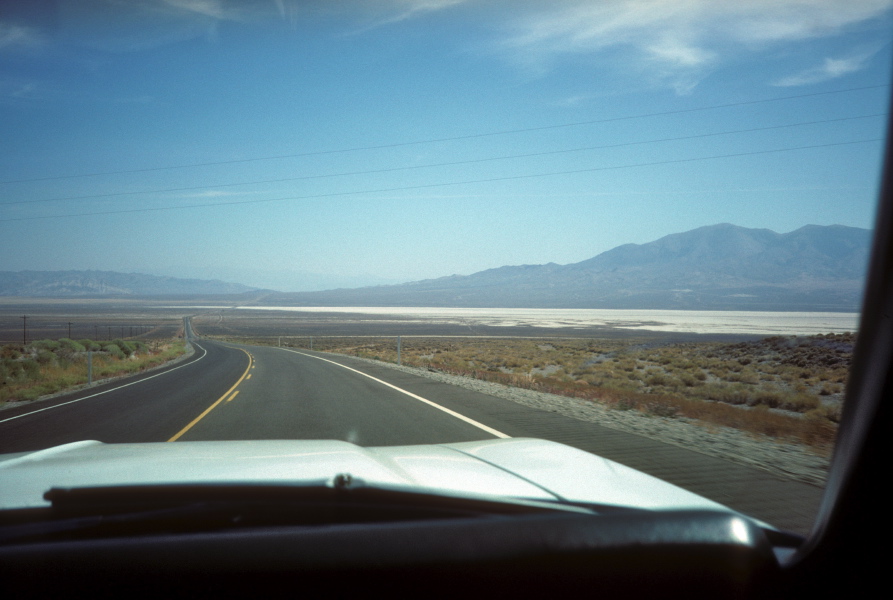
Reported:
(831, 68)
(397, 11)
(677, 43)
(413, 8)
(12, 36)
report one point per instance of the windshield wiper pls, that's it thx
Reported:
(157, 509)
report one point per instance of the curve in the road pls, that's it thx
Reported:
(141, 380)
(122, 412)
(452, 413)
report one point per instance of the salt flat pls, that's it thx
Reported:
(682, 321)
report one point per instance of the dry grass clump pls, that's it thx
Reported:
(49, 366)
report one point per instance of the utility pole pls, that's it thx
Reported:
(24, 329)
(69, 330)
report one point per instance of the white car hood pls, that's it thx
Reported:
(516, 467)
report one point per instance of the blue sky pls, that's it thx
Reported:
(306, 145)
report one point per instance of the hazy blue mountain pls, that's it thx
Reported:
(719, 267)
(107, 283)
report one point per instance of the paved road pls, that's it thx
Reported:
(291, 395)
(228, 392)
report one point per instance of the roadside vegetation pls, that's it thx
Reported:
(786, 387)
(48, 366)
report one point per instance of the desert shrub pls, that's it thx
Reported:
(126, 348)
(657, 379)
(11, 370)
(114, 350)
(830, 388)
(45, 357)
(49, 345)
(11, 351)
(689, 380)
(829, 413)
(800, 402)
(768, 398)
(90, 345)
(720, 372)
(729, 394)
(71, 345)
(30, 368)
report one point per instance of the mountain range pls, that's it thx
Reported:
(718, 267)
(37, 284)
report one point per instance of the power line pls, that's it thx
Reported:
(445, 139)
(444, 164)
(443, 184)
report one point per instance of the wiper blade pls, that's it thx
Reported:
(157, 509)
(107, 500)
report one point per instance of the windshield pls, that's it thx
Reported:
(638, 229)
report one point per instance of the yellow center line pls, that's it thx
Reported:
(236, 393)
(249, 376)
(219, 400)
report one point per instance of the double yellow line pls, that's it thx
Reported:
(219, 400)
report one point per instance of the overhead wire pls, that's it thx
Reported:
(441, 184)
(444, 139)
(435, 165)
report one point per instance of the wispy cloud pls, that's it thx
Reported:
(395, 11)
(831, 68)
(676, 43)
(138, 25)
(12, 36)
(215, 9)
(20, 90)
(407, 9)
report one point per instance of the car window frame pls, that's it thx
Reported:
(838, 555)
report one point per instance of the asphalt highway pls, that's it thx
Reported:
(232, 392)
(228, 392)
(286, 394)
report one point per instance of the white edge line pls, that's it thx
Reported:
(453, 413)
(33, 412)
